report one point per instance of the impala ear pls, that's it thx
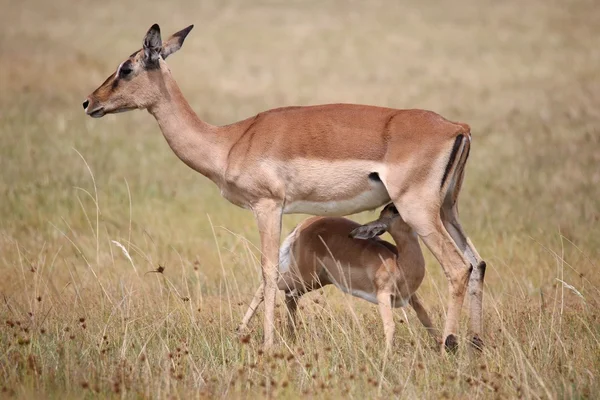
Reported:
(152, 46)
(174, 43)
(369, 231)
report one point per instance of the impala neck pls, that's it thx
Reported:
(201, 146)
(406, 242)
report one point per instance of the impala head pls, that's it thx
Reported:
(138, 81)
(389, 219)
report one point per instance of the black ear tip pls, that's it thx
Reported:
(184, 32)
(155, 27)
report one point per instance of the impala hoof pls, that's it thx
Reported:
(241, 330)
(477, 343)
(451, 343)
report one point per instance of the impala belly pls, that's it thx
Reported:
(334, 188)
(367, 200)
(360, 285)
(368, 296)
(371, 296)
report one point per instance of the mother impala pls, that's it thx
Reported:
(335, 159)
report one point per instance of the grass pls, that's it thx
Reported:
(90, 207)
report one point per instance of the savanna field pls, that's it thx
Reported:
(92, 209)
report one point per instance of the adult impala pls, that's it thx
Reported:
(335, 159)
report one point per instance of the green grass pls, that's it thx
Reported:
(79, 319)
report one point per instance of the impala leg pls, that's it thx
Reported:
(476, 299)
(268, 216)
(450, 219)
(423, 316)
(258, 298)
(384, 300)
(291, 302)
(457, 269)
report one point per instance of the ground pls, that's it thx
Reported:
(90, 207)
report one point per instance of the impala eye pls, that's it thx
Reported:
(125, 69)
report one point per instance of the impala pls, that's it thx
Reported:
(335, 159)
(328, 250)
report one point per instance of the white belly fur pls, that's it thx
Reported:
(368, 200)
(347, 180)
(372, 297)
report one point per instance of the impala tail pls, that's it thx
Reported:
(455, 169)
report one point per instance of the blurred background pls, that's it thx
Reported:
(524, 75)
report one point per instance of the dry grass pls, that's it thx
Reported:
(81, 319)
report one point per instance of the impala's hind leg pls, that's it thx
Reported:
(426, 221)
(449, 215)
(450, 218)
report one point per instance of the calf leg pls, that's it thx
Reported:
(384, 300)
(256, 301)
(423, 316)
(291, 302)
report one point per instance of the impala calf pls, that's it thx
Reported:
(329, 251)
(334, 159)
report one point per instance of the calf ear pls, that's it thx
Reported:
(152, 45)
(174, 43)
(368, 231)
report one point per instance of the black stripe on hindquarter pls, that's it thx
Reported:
(455, 148)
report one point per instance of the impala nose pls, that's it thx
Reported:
(85, 104)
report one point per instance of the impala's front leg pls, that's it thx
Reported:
(268, 216)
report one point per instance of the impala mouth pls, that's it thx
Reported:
(101, 111)
(97, 113)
